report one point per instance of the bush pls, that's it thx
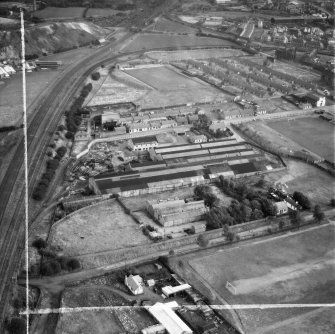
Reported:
(17, 326)
(69, 135)
(39, 243)
(203, 240)
(61, 127)
(95, 76)
(302, 200)
(332, 202)
(73, 264)
(51, 267)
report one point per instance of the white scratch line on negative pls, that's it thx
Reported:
(190, 307)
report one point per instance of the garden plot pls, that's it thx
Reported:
(101, 227)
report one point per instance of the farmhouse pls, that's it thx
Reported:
(282, 207)
(176, 212)
(169, 319)
(142, 143)
(138, 127)
(134, 284)
(315, 100)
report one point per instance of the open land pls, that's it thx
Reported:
(297, 268)
(97, 228)
(57, 12)
(152, 41)
(315, 134)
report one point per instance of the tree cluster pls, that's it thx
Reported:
(247, 205)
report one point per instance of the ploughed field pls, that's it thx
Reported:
(314, 134)
(292, 269)
(57, 12)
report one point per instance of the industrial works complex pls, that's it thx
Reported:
(184, 165)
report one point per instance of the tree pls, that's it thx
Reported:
(61, 151)
(61, 127)
(295, 218)
(332, 202)
(203, 240)
(318, 214)
(302, 200)
(39, 243)
(281, 225)
(95, 76)
(17, 326)
(73, 264)
(231, 236)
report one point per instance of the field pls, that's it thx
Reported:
(296, 268)
(4, 20)
(58, 13)
(11, 104)
(314, 134)
(163, 78)
(153, 41)
(96, 12)
(194, 54)
(299, 176)
(169, 26)
(103, 227)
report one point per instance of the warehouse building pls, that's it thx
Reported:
(142, 143)
(169, 319)
(176, 212)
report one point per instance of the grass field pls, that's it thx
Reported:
(96, 12)
(163, 78)
(295, 269)
(58, 13)
(102, 227)
(315, 134)
(299, 176)
(154, 41)
(194, 54)
(11, 104)
(170, 26)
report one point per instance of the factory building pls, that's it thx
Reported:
(176, 212)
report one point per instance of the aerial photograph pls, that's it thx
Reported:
(167, 167)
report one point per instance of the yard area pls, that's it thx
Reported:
(314, 134)
(98, 228)
(152, 41)
(58, 12)
(294, 268)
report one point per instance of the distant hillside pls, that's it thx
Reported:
(49, 37)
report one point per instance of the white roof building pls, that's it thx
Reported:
(9, 69)
(134, 284)
(171, 290)
(169, 319)
(3, 73)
